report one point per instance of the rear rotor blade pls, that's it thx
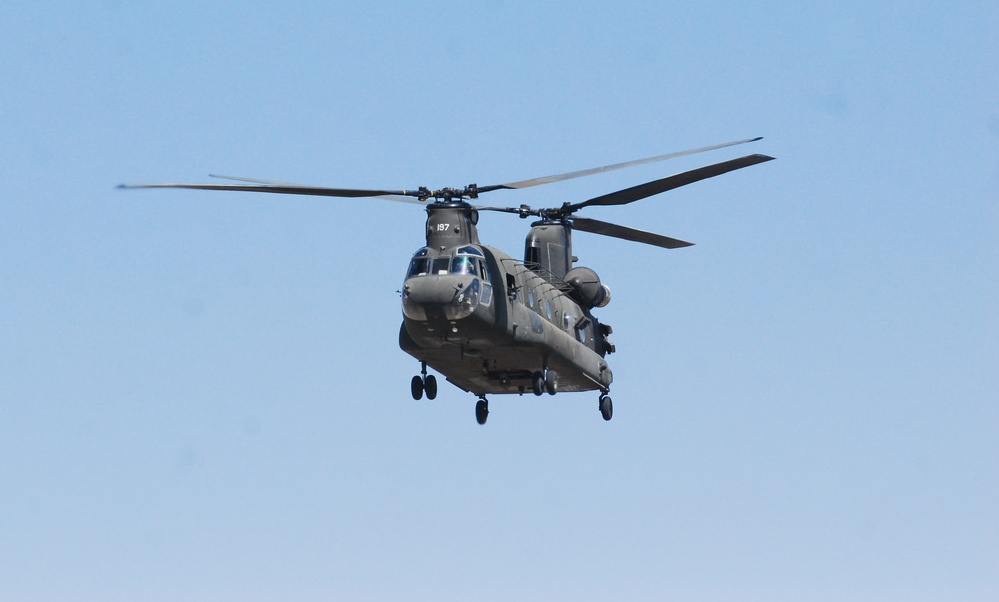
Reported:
(596, 170)
(626, 233)
(522, 211)
(636, 193)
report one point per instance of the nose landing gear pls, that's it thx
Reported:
(423, 383)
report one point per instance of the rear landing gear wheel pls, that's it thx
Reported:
(430, 386)
(481, 410)
(606, 407)
(416, 386)
(538, 383)
(551, 382)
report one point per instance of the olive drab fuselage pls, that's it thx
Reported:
(488, 322)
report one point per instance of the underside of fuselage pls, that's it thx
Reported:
(506, 366)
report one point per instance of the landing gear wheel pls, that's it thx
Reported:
(430, 386)
(538, 383)
(481, 410)
(551, 382)
(606, 407)
(416, 386)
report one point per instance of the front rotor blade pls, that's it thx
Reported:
(636, 193)
(402, 195)
(626, 233)
(596, 170)
(252, 180)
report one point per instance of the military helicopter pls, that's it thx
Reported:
(492, 324)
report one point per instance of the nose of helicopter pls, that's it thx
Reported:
(450, 297)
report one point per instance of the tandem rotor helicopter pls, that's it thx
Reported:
(492, 324)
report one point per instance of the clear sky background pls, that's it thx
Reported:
(202, 395)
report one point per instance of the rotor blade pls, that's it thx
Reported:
(596, 170)
(636, 193)
(252, 180)
(626, 233)
(399, 195)
(522, 211)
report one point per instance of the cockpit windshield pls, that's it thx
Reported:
(467, 261)
(463, 265)
(438, 265)
(422, 266)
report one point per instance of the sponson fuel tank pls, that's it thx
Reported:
(587, 288)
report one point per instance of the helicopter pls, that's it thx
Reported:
(492, 324)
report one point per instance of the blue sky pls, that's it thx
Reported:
(202, 397)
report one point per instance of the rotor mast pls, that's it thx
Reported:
(548, 248)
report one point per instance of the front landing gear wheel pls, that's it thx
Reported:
(606, 407)
(430, 386)
(481, 410)
(423, 383)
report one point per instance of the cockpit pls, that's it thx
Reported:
(467, 260)
(467, 288)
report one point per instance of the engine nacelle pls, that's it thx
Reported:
(586, 288)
